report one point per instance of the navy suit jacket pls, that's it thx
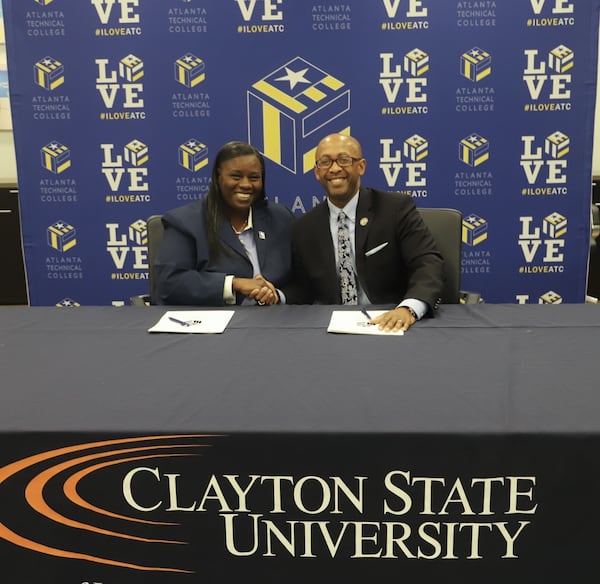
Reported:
(396, 255)
(186, 275)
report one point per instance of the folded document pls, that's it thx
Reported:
(354, 322)
(193, 321)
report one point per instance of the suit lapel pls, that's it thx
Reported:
(230, 239)
(364, 218)
(261, 225)
(323, 237)
(324, 245)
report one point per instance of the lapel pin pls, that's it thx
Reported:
(261, 235)
(364, 221)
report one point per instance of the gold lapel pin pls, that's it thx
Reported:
(364, 221)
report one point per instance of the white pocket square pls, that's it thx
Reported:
(376, 249)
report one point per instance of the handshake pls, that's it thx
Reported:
(257, 288)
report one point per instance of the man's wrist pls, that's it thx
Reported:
(414, 314)
(418, 308)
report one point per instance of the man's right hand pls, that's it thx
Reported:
(257, 288)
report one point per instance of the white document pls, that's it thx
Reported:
(193, 321)
(354, 322)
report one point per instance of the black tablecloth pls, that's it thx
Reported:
(464, 451)
(485, 368)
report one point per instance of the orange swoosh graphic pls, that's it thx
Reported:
(35, 488)
(70, 489)
(37, 547)
(35, 498)
(14, 467)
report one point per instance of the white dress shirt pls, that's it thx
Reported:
(418, 306)
(246, 237)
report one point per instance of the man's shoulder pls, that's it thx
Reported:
(378, 196)
(313, 214)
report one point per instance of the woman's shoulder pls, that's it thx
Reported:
(189, 211)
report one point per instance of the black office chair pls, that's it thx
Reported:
(446, 227)
(154, 229)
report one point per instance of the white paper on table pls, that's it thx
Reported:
(354, 322)
(193, 321)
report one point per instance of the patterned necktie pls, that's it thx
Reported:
(346, 269)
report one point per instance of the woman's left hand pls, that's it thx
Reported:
(264, 294)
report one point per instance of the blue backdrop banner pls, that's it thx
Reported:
(485, 106)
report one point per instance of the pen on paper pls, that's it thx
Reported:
(363, 310)
(365, 313)
(181, 322)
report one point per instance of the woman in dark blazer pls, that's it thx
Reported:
(233, 246)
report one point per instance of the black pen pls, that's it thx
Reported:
(364, 311)
(181, 322)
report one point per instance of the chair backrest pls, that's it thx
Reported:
(446, 227)
(154, 227)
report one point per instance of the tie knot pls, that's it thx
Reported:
(341, 218)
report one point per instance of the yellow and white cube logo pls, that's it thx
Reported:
(416, 148)
(551, 297)
(131, 68)
(474, 150)
(49, 73)
(291, 109)
(136, 153)
(193, 155)
(67, 303)
(189, 70)
(557, 145)
(416, 62)
(561, 59)
(61, 236)
(138, 232)
(474, 230)
(56, 157)
(475, 64)
(555, 225)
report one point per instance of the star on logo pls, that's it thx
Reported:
(67, 303)
(294, 77)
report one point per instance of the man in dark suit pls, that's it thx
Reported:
(394, 256)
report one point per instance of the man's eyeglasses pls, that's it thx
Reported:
(341, 161)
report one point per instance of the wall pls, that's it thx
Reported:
(8, 166)
(596, 155)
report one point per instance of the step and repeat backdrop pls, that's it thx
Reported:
(119, 107)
